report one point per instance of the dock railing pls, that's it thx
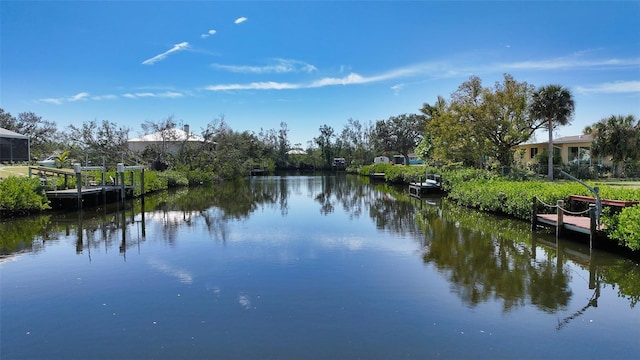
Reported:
(565, 219)
(594, 190)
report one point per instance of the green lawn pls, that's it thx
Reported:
(6, 171)
(618, 183)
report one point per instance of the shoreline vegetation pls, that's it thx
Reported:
(513, 195)
(481, 189)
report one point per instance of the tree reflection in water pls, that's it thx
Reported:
(484, 257)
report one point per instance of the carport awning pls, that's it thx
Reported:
(11, 134)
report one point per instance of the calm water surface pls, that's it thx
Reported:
(306, 267)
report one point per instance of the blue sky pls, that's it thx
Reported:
(306, 63)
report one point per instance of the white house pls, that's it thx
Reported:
(171, 140)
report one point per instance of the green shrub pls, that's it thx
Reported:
(624, 227)
(22, 195)
(173, 178)
(199, 177)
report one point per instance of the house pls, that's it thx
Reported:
(413, 159)
(14, 147)
(380, 160)
(573, 149)
(170, 140)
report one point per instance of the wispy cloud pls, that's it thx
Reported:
(397, 88)
(57, 101)
(177, 47)
(279, 66)
(269, 85)
(166, 94)
(104, 97)
(240, 20)
(570, 63)
(611, 88)
(79, 96)
(208, 33)
(351, 79)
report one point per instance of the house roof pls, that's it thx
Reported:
(567, 140)
(11, 134)
(169, 135)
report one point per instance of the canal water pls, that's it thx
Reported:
(306, 267)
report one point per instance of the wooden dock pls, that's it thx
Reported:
(584, 222)
(85, 191)
(431, 184)
(567, 221)
(581, 224)
(87, 188)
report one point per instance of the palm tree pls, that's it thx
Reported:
(616, 136)
(553, 104)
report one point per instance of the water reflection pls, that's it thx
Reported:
(484, 258)
(487, 257)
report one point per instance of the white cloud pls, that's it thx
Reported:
(57, 101)
(177, 47)
(166, 94)
(272, 85)
(240, 20)
(396, 88)
(73, 98)
(208, 33)
(104, 97)
(269, 85)
(279, 66)
(611, 88)
(79, 96)
(570, 63)
(350, 79)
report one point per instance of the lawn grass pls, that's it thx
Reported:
(18, 170)
(6, 171)
(619, 183)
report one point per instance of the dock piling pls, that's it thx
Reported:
(560, 222)
(593, 225)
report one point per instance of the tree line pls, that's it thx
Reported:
(477, 124)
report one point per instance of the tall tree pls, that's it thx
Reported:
(325, 144)
(553, 104)
(400, 133)
(97, 142)
(283, 144)
(449, 129)
(355, 142)
(506, 122)
(616, 136)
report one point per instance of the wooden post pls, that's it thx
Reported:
(142, 183)
(120, 173)
(534, 214)
(560, 221)
(593, 226)
(78, 170)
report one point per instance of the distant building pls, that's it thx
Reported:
(572, 149)
(413, 159)
(14, 147)
(381, 160)
(170, 140)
